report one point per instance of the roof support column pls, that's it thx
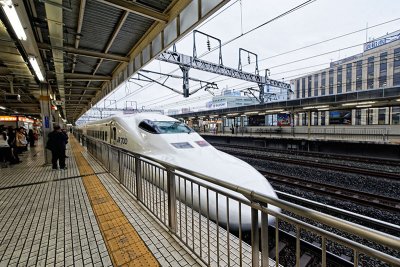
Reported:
(47, 120)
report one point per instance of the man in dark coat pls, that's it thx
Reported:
(56, 143)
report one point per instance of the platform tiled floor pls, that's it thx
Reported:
(46, 218)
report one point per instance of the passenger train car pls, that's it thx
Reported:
(169, 140)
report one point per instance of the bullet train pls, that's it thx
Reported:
(169, 140)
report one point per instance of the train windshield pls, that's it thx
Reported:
(164, 127)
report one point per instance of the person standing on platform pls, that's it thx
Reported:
(56, 144)
(11, 133)
(5, 149)
(66, 139)
(21, 141)
(31, 137)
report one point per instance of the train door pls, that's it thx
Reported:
(113, 133)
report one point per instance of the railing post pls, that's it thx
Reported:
(119, 166)
(138, 172)
(172, 216)
(255, 242)
(264, 240)
(108, 158)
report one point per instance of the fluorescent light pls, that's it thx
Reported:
(359, 103)
(232, 114)
(3, 108)
(274, 110)
(315, 107)
(36, 68)
(251, 112)
(364, 106)
(12, 16)
(398, 100)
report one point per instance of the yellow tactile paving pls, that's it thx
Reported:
(124, 245)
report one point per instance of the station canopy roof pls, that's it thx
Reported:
(85, 48)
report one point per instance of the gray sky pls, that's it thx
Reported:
(318, 21)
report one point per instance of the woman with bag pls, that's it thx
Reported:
(21, 141)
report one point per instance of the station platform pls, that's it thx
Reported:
(79, 216)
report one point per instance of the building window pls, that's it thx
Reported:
(396, 115)
(358, 117)
(303, 88)
(309, 86)
(323, 82)
(305, 119)
(381, 116)
(298, 88)
(339, 79)
(316, 76)
(396, 67)
(349, 70)
(359, 75)
(331, 82)
(370, 73)
(370, 116)
(383, 70)
(315, 118)
(323, 113)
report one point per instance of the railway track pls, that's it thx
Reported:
(317, 164)
(380, 202)
(387, 162)
(310, 253)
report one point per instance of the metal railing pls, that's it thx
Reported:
(351, 133)
(227, 225)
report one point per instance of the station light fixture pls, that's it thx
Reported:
(358, 103)
(274, 110)
(398, 100)
(251, 112)
(363, 106)
(3, 108)
(232, 114)
(316, 107)
(12, 16)
(36, 68)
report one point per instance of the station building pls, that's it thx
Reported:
(377, 67)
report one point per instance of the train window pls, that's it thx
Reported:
(115, 133)
(148, 126)
(164, 127)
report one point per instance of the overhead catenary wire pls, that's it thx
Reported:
(334, 38)
(253, 29)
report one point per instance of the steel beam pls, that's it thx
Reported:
(78, 31)
(80, 77)
(137, 8)
(195, 63)
(79, 95)
(83, 88)
(84, 52)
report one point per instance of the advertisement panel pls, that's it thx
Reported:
(340, 117)
(283, 119)
(256, 120)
